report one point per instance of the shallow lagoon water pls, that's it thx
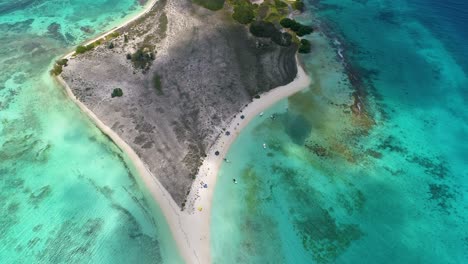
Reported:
(68, 195)
(386, 186)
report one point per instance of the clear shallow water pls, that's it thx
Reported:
(67, 193)
(387, 186)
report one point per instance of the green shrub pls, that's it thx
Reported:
(287, 22)
(125, 38)
(243, 12)
(142, 59)
(81, 49)
(210, 4)
(111, 45)
(56, 70)
(157, 84)
(280, 4)
(62, 62)
(301, 30)
(305, 46)
(298, 5)
(114, 34)
(117, 92)
(304, 30)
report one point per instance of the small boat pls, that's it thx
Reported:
(264, 145)
(261, 114)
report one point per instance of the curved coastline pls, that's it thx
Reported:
(191, 228)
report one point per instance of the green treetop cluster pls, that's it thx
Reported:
(57, 70)
(264, 19)
(300, 29)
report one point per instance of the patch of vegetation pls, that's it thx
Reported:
(62, 62)
(280, 4)
(298, 5)
(117, 92)
(111, 45)
(305, 46)
(125, 38)
(276, 10)
(162, 27)
(210, 4)
(57, 69)
(244, 11)
(265, 29)
(300, 29)
(112, 35)
(82, 49)
(142, 58)
(157, 84)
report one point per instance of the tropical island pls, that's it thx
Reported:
(173, 87)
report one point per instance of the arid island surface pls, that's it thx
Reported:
(184, 72)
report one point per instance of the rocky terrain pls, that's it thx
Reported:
(184, 72)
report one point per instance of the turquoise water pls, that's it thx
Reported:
(388, 185)
(68, 195)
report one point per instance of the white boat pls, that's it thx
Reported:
(264, 145)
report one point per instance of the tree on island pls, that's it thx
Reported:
(243, 12)
(300, 29)
(142, 58)
(305, 46)
(298, 5)
(117, 92)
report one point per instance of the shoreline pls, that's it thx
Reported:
(191, 229)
